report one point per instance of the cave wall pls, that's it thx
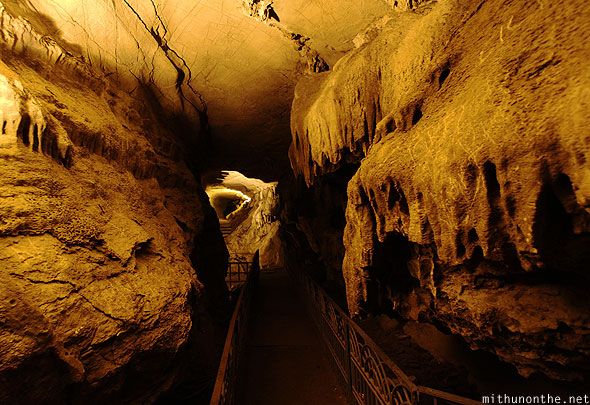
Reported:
(223, 57)
(255, 225)
(100, 217)
(318, 213)
(471, 205)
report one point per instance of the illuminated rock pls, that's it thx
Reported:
(471, 206)
(230, 64)
(108, 256)
(254, 224)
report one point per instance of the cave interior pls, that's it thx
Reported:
(425, 162)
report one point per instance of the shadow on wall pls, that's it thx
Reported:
(42, 23)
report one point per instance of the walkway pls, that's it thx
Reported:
(285, 362)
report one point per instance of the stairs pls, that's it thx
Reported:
(226, 229)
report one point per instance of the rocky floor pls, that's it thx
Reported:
(445, 362)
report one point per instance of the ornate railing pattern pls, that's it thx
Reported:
(226, 381)
(371, 377)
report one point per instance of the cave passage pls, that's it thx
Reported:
(416, 227)
(284, 359)
(226, 201)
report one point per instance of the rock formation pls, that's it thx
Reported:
(100, 217)
(471, 206)
(441, 152)
(254, 226)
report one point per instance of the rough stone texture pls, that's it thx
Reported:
(99, 215)
(255, 226)
(405, 5)
(318, 212)
(224, 57)
(471, 207)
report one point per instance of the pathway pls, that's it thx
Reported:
(284, 362)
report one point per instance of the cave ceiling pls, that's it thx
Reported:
(237, 59)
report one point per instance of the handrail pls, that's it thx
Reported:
(436, 395)
(369, 374)
(225, 382)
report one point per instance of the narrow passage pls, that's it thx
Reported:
(285, 362)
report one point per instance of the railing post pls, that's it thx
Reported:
(349, 363)
(227, 374)
(373, 378)
(230, 273)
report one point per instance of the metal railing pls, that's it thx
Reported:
(226, 380)
(237, 272)
(370, 376)
(433, 396)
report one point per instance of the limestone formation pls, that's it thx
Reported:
(471, 206)
(405, 5)
(202, 56)
(441, 157)
(255, 224)
(99, 220)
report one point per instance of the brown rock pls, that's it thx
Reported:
(99, 300)
(472, 202)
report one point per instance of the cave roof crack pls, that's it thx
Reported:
(183, 71)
